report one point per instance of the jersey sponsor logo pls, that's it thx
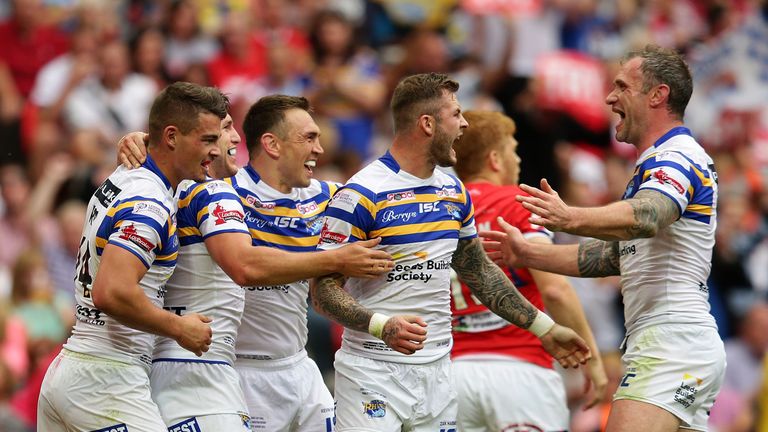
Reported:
(401, 196)
(429, 207)
(246, 421)
(129, 232)
(391, 216)
(685, 395)
(88, 315)
(672, 156)
(628, 250)
(664, 178)
(345, 200)
(283, 288)
(223, 215)
(116, 428)
(188, 425)
(448, 426)
(255, 203)
(625, 380)
(329, 237)
(149, 208)
(447, 193)
(453, 210)
(213, 186)
(286, 222)
(107, 192)
(314, 224)
(630, 188)
(375, 409)
(306, 208)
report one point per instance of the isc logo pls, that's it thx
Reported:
(428, 207)
(286, 222)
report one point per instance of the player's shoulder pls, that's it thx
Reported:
(683, 150)
(136, 184)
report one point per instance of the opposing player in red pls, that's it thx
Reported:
(504, 377)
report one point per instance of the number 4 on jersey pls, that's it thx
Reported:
(83, 273)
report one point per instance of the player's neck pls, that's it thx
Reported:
(411, 157)
(484, 177)
(656, 130)
(269, 174)
(164, 162)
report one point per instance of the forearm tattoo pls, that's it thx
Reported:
(653, 211)
(329, 298)
(489, 284)
(598, 258)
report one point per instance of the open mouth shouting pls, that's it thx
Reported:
(622, 115)
(309, 165)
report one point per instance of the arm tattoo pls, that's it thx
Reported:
(598, 258)
(489, 283)
(329, 298)
(653, 211)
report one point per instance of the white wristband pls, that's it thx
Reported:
(541, 324)
(376, 325)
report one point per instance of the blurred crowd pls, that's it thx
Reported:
(76, 75)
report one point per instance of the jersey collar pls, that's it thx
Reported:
(152, 167)
(679, 130)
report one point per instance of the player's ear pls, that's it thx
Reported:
(271, 145)
(659, 95)
(427, 124)
(494, 160)
(170, 133)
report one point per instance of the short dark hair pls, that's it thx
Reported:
(268, 115)
(180, 104)
(416, 95)
(665, 66)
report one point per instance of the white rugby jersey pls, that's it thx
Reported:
(420, 222)
(199, 284)
(134, 210)
(664, 278)
(275, 319)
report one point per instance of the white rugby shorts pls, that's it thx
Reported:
(509, 394)
(286, 394)
(373, 395)
(87, 393)
(678, 368)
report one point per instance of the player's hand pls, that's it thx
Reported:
(405, 333)
(132, 149)
(507, 248)
(548, 209)
(596, 380)
(360, 260)
(195, 334)
(568, 348)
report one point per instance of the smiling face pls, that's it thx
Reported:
(450, 125)
(226, 164)
(299, 149)
(196, 151)
(629, 101)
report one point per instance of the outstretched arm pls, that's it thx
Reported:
(403, 333)
(494, 289)
(249, 265)
(641, 216)
(591, 258)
